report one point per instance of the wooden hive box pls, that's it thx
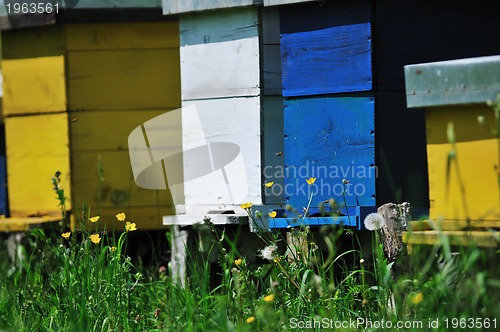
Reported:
(329, 110)
(221, 99)
(73, 94)
(462, 154)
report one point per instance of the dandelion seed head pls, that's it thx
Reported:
(374, 221)
(269, 252)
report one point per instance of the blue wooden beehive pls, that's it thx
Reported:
(329, 112)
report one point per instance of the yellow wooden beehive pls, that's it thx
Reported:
(463, 152)
(73, 93)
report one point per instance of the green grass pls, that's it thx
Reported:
(76, 285)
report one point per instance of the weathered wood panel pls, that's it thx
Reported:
(331, 139)
(270, 52)
(331, 60)
(470, 188)
(284, 2)
(463, 81)
(123, 79)
(37, 147)
(229, 177)
(3, 186)
(146, 218)
(103, 179)
(272, 145)
(33, 43)
(103, 4)
(185, 6)
(90, 130)
(220, 60)
(115, 36)
(34, 85)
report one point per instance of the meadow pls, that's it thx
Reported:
(54, 279)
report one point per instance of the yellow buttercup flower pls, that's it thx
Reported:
(130, 226)
(419, 297)
(246, 205)
(66, 235)
(238, 261)
(95, 238)
(269, 184)
(250, 319)
(311, 180)
(120, 216)
(113, 249)
(269, 298)
(272, 214)
(94, 219)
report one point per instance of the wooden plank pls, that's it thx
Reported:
(220, 60)
(19, 21)
(232, 121)
(34, 85)
(326, 61)
(331, 139)
(37, 147)
(90, 130)
(283, 2)
(145, 218)
(21, 224)
(476, 157)
(83, 4)
(103, 179)
(452, 30)
(453, 225)
(129, 35)
(270, 25)
(33, 42)
(272, 85)
(185, 6)
(457, 238)
(463, 81)
(123, 79)
(218, 26)
(273, 147)
(3, 186)
(311, 221)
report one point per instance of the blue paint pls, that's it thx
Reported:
(354, 219)
(331, 60)
(331, 139)
(312, 221)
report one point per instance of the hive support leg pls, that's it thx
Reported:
(396, 217)
(179, 255)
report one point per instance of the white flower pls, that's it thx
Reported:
(374, 221)
(269, 252)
